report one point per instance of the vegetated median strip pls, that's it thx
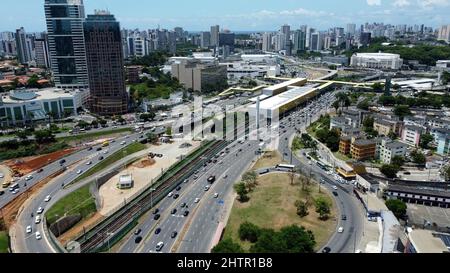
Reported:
(94, 135)
(4, 242)
(129, 150)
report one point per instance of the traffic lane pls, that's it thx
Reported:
(51, 189)
(197, 192)
(130, 245)
(200, 234)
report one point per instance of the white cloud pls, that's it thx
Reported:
(374, 2)
(401, 3)
(432, 3)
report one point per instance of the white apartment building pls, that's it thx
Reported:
(388, 149)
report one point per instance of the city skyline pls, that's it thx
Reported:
(265, 15)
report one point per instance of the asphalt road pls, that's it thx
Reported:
(27, 243)
(207, 208)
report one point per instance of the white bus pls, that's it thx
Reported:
(284, 167)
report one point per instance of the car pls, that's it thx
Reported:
(99, 149)
(335, 188)
(344, 218)
(197, 200)
(186, 181)
(90, 149)
(156, 217)
(61, 162)
(176, 196)
(335, 193)
(40, 210)
(170, 194)
(101, 158)
(28, 178)
(47, 198)
(105, 152)
(2, 175)
(29, 229)
(341, 230)
(123, 143)
(15, 191)
(216, 195)
(156, 211)
(159, 246)
(178, 188)
(137, 231)
(89, 163)
(186, 213)
(158, 231)
(207, 188)
(40, 170)
(174, 234)
(138, 239)
(37, 220)
(407, 173)
(2, 193)
(79, 171)
(183, 205)
(174, 211)
(195, 177)
(211, 179)
(38, 235)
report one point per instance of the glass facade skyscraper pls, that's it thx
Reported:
(104, 56)
(66, 43)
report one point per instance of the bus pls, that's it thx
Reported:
(284, 167)
(322, 166)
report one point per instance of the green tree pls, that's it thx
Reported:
(323, 208)
(398, 161)
(390, 171)
(297, 239)
(44, 136)
(368, 122)
(227, 246)
(302, 208)
(22, 134)
(152, 138)
(169, 131)
(249, 232)
(425, 140)
(418, 157)
(402, 111)
(241, 190)
(364, 105)
(33, 82)
(398, 207)
(447, 173)
(250, 179)
(269, 241)
(377, 87)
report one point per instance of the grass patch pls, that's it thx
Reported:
(80, 202)
(122, 153)
(92, 136)
(4, 242)
(272, 205)
(342, 157)
(269, 159)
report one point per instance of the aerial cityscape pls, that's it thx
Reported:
(307, 128)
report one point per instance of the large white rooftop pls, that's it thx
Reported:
(379, 55)
(16, 96)
(278, 101)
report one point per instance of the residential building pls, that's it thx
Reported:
(385, 127)
(23, 49)
(227, 39)
(20, 106)
(442, 139)
(443, 65)
(42, 52)
(132, 73)
(299, 43)
(197, 75)
(363, 149)
(365, 38)
(66, 43)
(388, 149)
(351, 29)
(377, 60)
(444, 33)
(316, 41)
(205, 39)
(267, 42)
(280, 41)
(411, 135)
(345, 145)
(105, 64)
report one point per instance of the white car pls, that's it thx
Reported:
(29, 230)
(15, 191)
(105, 152)
(37, 220)
(159, 246)
(47, 199)
(28, 178)
(2, 175)
(207, 188)
(123, 143)
(216, 195)
(79, 171)
(40, 210)
(89, 163)
(170, 194)
(197, 200)
(341, 230)
(38, 235)
(335, 188)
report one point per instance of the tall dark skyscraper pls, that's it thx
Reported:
(66, 42)
(23, 51)
(104, 56)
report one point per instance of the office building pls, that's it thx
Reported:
(351, 29)
(105, 64)
(327, 42)
(280, 41)
(66, 43)
(444, 33)
(23, 47)
(215, 30)
(205, 39)
(316, 42)
(42, 52)
(377, 60)
(365, 38)
(299, 41)
(226, 39)
(199, 75)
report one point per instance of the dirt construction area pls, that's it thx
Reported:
(143, 173)
(27, 165)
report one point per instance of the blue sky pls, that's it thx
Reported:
(240, 14)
